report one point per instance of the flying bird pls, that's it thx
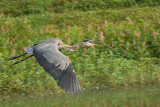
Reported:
(48, 55)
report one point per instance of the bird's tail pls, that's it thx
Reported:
(28, 51)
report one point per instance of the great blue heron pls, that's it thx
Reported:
(48, 55)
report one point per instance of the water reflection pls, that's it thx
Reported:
(121, 97)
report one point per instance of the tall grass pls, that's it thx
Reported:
(23, 7)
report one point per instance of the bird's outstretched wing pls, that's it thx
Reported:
(58, 66)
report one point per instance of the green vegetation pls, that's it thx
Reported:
(23, 7)
(129, 54)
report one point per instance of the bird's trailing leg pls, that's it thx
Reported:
(17, 56)
(21, 60)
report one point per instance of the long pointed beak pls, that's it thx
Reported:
(94, 43)
(97, 41)
(97, 45)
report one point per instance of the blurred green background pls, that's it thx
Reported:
(128, 29)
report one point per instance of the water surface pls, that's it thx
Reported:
(124, 97)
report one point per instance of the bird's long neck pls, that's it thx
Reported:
(76, 46)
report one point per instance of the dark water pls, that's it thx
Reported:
(124, 97)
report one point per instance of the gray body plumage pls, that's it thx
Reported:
(55, 63)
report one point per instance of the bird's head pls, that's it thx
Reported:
(83, 43)
(90, 43)
(61, 45)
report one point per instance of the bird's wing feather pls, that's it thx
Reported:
(58, 66)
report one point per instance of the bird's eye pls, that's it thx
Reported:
(58, 43)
